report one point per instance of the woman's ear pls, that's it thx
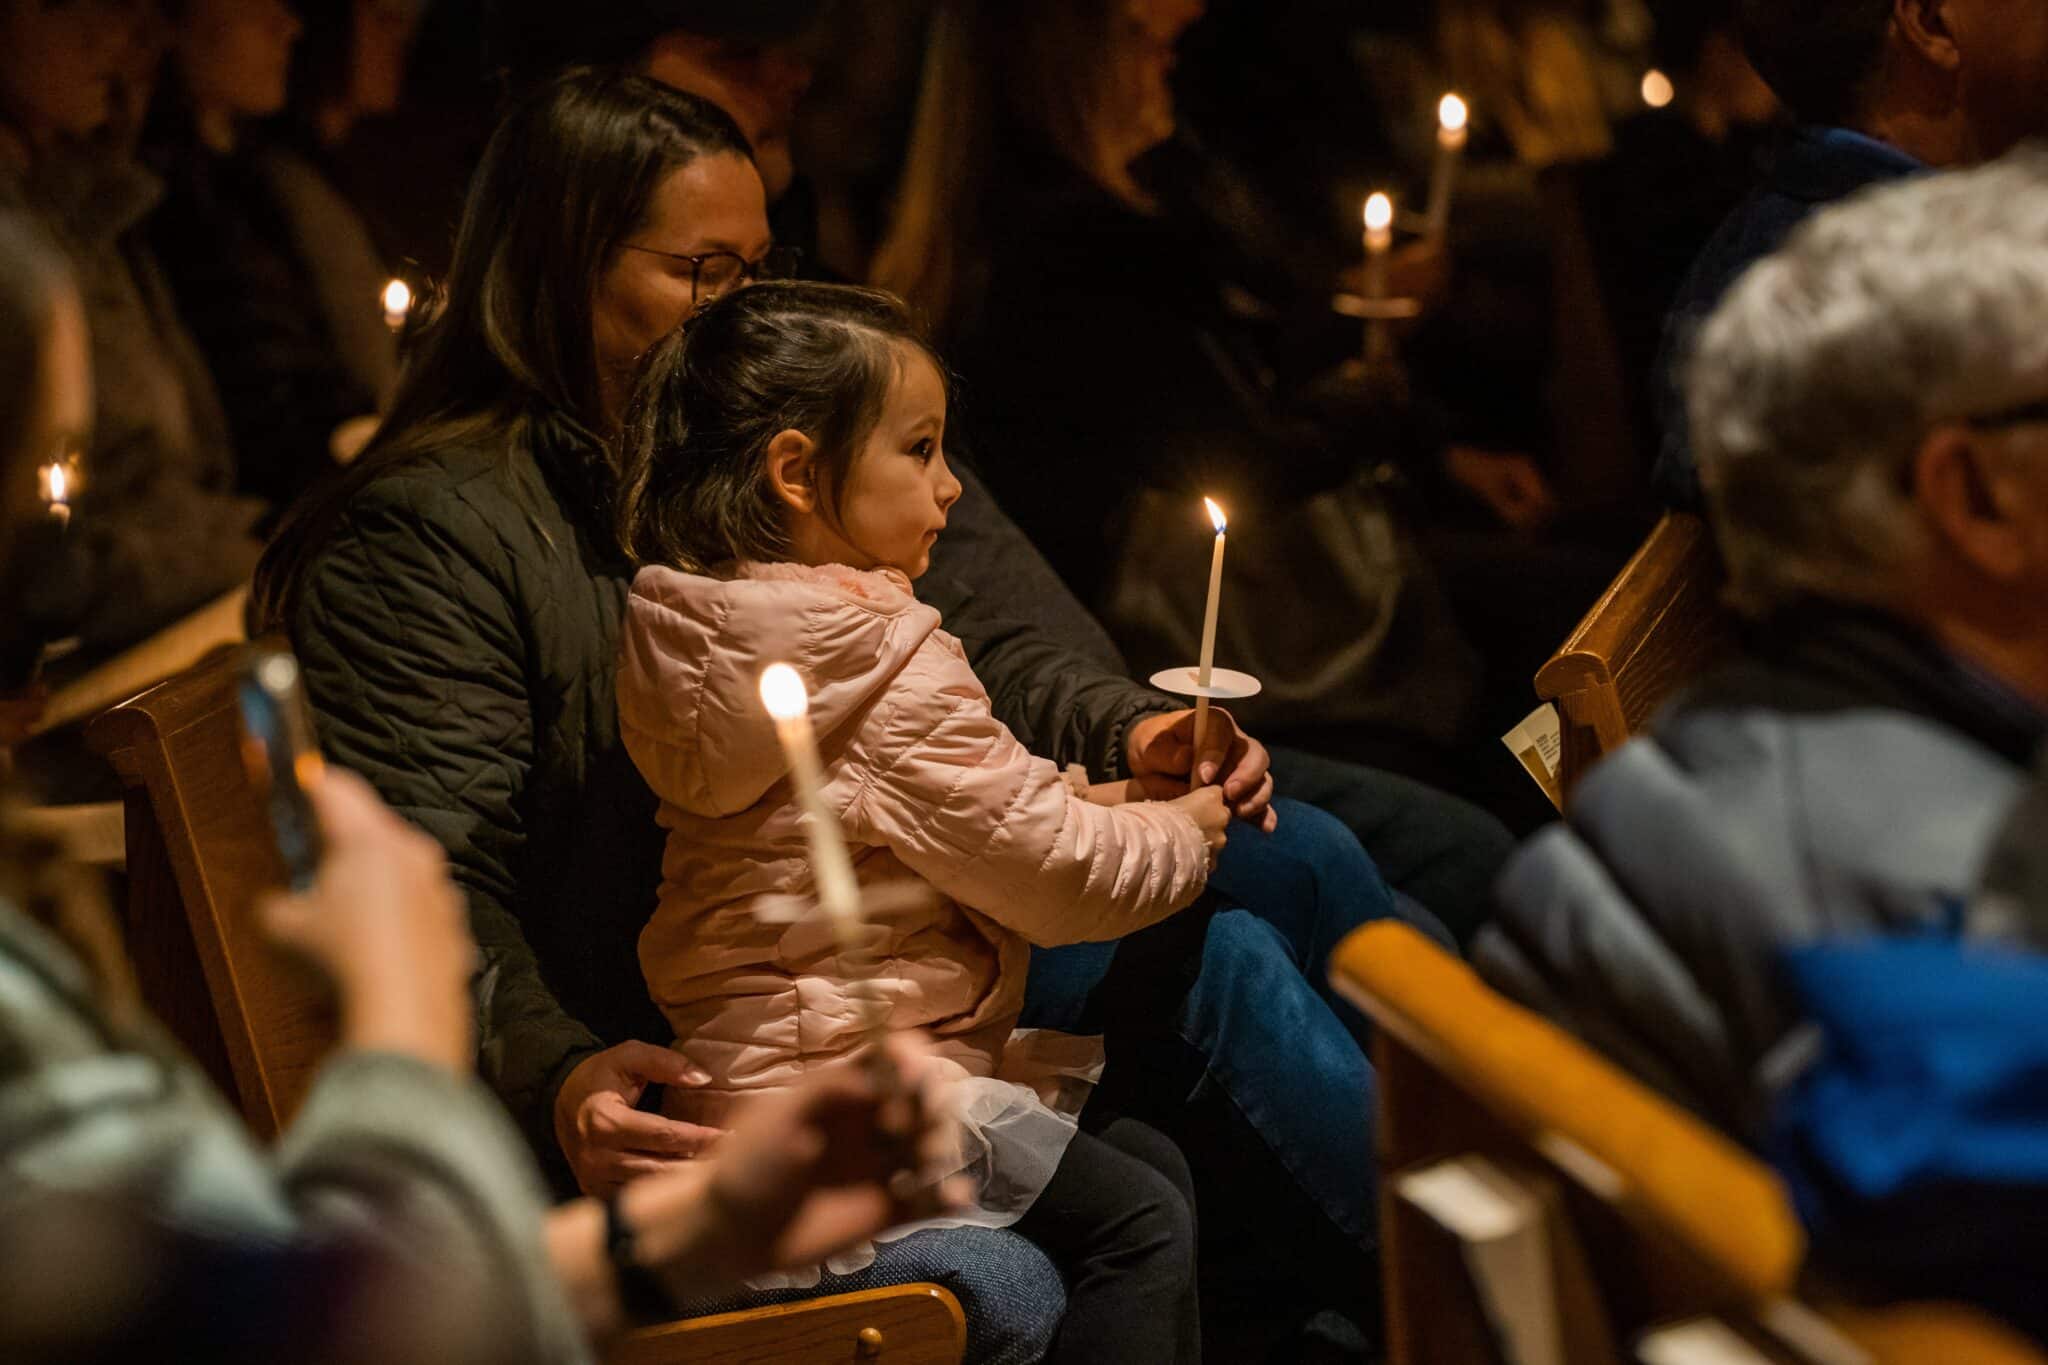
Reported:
(792, 470)
(1968, 506)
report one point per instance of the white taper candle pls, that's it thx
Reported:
(1208, 665)
(1453, 118)
(783, 693)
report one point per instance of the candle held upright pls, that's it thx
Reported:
(788, 701)
(1379, 243)
(1206, 670)
(397, 301)
(1453, 118)
(58, 482)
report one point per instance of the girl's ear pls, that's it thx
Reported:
(792, 470)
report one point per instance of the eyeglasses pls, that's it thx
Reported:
(720, 272)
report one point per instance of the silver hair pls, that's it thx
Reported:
(1816, 380)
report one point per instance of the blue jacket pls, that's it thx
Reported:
(1814, 168)
(1917, 1143)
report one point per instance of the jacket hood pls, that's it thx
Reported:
(694, 648)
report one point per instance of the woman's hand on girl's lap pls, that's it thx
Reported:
(1159, 752)
(386, 926)
(848, 1152)
(603, 1133)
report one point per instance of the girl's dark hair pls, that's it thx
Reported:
(567, 177)
(789, 356)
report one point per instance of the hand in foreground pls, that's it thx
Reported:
(1159, 752)
(850, 1151)
(386, 926)
(606, 1139)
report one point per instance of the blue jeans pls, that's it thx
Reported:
(1227, 1012)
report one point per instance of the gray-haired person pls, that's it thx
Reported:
(1870, 408)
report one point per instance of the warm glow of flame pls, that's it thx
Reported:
(1658, 92)
(1379, 213)
(397, 299)
(1215, 514)
(1452, 113)
(782, 692)
(59, 483)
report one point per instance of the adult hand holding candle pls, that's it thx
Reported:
(1453, 118)
(1206, 670)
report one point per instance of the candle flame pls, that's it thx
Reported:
(783, 692)
(60, 484)
(397, 299)
(1452, 113)
(1215, 515)
(1658, 92)
(1379, 213)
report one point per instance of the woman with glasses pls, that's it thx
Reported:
(455, 599)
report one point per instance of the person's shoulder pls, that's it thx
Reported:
(487, 486)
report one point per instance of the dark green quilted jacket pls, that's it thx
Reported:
(459, 632)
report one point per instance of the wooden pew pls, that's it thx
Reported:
(1659, 1219)
(1655, 628)
(199, 857)
(170, 651)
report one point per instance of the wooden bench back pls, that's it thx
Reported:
(1665, 1220)
(1655, 628)
(200, 856)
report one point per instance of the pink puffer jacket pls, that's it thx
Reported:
(927, 784)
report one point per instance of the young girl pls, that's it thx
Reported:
(786, 482)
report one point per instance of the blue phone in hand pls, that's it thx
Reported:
(282, 757)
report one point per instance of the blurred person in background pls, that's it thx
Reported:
(272, 269)
(1880, 90)
(158, 528)
(1117, 369)
(399, 1216)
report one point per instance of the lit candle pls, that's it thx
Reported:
(397, 301)
(1452, 117)
(1208, 665)
(1379, 240)
(1658, 91)
(59, 485)
(783, 693)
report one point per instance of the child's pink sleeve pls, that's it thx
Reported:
(960, 801)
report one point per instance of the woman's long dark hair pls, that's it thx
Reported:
(815, 358)
(567, 177)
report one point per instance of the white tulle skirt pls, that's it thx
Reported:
(1014, 1130)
